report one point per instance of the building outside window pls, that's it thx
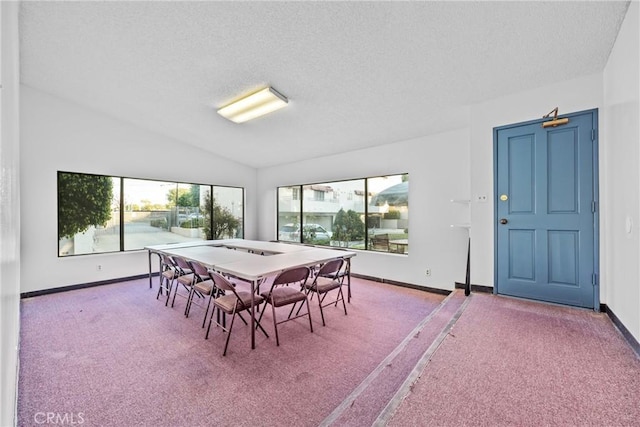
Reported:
(368, 213)
(289, 214)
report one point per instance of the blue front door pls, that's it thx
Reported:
(546, 210)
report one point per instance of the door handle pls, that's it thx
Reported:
(503, 221)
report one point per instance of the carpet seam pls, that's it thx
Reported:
(350, 399)
(405, 389)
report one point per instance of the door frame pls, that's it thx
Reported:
(596, 198)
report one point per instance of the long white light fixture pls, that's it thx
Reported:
(254, 105)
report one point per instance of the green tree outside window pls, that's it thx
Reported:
(224, 223)
(83, 201)
(347, 227)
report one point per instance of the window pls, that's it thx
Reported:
(228, 211)
(388, 213)
(88, 213)
(98, 214)
(289, 213)
(331, 213)
(368, 213)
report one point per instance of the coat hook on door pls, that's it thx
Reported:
(555, 121)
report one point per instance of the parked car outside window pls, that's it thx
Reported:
(312, 233)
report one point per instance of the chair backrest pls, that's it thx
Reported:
(166, 261)
(221, 282)
(181, 263)
(331, 267)
(199, 270)
(292, 275)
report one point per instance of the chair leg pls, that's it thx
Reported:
(166, 303)
(204, 320)
(275, 323)
(165, 284)
(339, 280)
(223, 325)
(206, 337)
(233, 318)
(261, 314)
(293, 307)
(347, 275)
(339, 297)
(258, 325)
(307, 292)
(321, 311)
(174, 294)
(189, 299)
(160, 287)
(192, 293)
(309, 314)
(342, 299)
(242, 318)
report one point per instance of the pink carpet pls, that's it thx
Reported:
(510, 362)
(114, 355)
(118, 356)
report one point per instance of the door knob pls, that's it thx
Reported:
(503, 221)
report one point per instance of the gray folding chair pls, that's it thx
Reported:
(184, 280)
(168, 275)
(232, 302)
(281, 294)
(202, 289)
(342, 274)
(326, 280)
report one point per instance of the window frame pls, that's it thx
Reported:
(119, 194)
(299, 189)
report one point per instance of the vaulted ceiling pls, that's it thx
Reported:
(357, 74)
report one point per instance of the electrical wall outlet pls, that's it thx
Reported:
(99, 267)
(481, 198)
(427, 272)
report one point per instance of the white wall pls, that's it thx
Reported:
(570, 96)
(621, 130)
(57, 135)
(438, 168)
(441, 167)
(9, 212)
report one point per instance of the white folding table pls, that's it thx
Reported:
(247, 263)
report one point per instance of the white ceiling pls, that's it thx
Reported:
(357, 74)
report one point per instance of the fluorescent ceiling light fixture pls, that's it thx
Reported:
(254, 105)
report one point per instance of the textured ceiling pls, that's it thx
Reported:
(357, 74)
